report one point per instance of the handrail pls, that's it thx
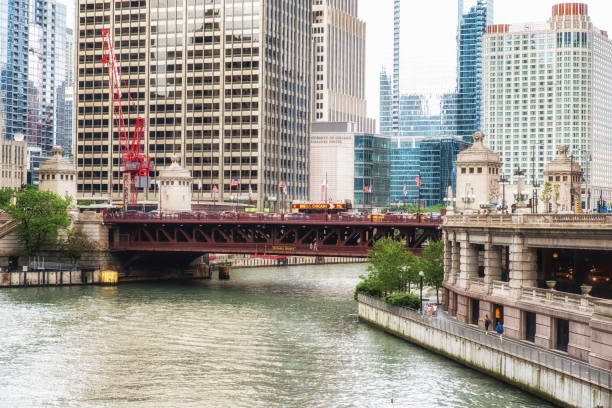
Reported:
(556, 361)
(290, 217)
(529, 219)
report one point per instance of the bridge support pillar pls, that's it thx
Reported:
(468, 268)
(224, 272)
(523, 265)
(492, 265)
(455, 261)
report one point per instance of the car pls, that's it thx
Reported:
(596, 276)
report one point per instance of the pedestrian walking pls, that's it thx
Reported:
(500, 329)
(487, 323)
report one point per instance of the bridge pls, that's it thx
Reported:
(264, 234)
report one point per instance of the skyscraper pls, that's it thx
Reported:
(32, 73)
(224, 85)
(546, 85)
(474, 16)
(339, 64)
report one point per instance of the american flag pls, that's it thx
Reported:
(418, 181)
(215, 189)
(281, 184)
(366, 189)
(234, 183)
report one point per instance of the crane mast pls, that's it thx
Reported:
(135, 165)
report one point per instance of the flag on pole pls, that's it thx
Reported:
(405, 191)
(250, 191)
(418, 181)
(366, 189)
(215, 189)
(281, 184)
(234, 183)
(324, 183)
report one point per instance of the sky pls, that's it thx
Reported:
(428, 30)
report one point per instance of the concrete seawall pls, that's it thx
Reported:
(553, 376)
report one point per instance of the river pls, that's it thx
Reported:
(269, 337)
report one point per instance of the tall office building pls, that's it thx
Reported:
(474, 17)
(32, 73)
(225, 85)
(546, 85)
(339, 64)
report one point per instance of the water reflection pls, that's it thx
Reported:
(270, 337)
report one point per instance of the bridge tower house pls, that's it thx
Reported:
(477, 176)
(175, 184)
(59, 175)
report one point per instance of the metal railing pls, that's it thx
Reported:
(520, 349)
(229, 216)
(43, 265)
(529, 219)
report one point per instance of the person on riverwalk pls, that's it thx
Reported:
(487, 323)
(500, 329)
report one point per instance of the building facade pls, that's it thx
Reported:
(347, 164)
(431, 159)
(14, 163)
(32, 75)
(546, 85)
(474, 17)
(339, 64)
(225, 85)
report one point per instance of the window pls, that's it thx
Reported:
(530, 326)
(561, 334)
(475, 311)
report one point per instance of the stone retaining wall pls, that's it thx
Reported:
(563, 380)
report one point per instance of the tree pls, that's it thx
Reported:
(547, 194)
(5, 196)
(75, 244)
(41, 214)
(388, 267)
(432, 264)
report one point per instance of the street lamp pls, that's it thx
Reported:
(421, 274)
(504, 179)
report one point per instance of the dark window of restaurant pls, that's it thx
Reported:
(505, 273)
(562, 335)
(475, 311)
(530, 326)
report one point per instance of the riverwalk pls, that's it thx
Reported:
(556, 377)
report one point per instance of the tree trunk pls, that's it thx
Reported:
(437, 296)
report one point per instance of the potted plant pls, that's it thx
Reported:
(585, 289)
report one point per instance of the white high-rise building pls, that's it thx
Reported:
(546, 85)
(339, 64)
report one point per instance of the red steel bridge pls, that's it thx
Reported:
(265, 234)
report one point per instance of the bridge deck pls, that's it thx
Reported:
(274, 219)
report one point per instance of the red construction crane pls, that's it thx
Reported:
(136, 165)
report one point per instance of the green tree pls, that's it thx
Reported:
(5, 196)
(41, 214)
(389, 263)
(75, 244)
(432, 265)
(556, 194)
(547, 193)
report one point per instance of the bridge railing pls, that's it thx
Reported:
(270, 217)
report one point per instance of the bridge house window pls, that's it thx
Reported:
(561, 334)
(530, 326)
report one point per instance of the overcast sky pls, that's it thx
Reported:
(428, 30)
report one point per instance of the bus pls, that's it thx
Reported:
(319, 207)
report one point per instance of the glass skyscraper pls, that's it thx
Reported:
(474, 16)
(430, 159)
(33, 75)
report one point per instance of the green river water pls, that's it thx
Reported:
(269, 337)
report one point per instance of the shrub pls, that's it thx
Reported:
(404, 300)
(367, 287)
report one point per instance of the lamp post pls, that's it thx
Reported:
(421, 274)
(503, 179)
(534, 182)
